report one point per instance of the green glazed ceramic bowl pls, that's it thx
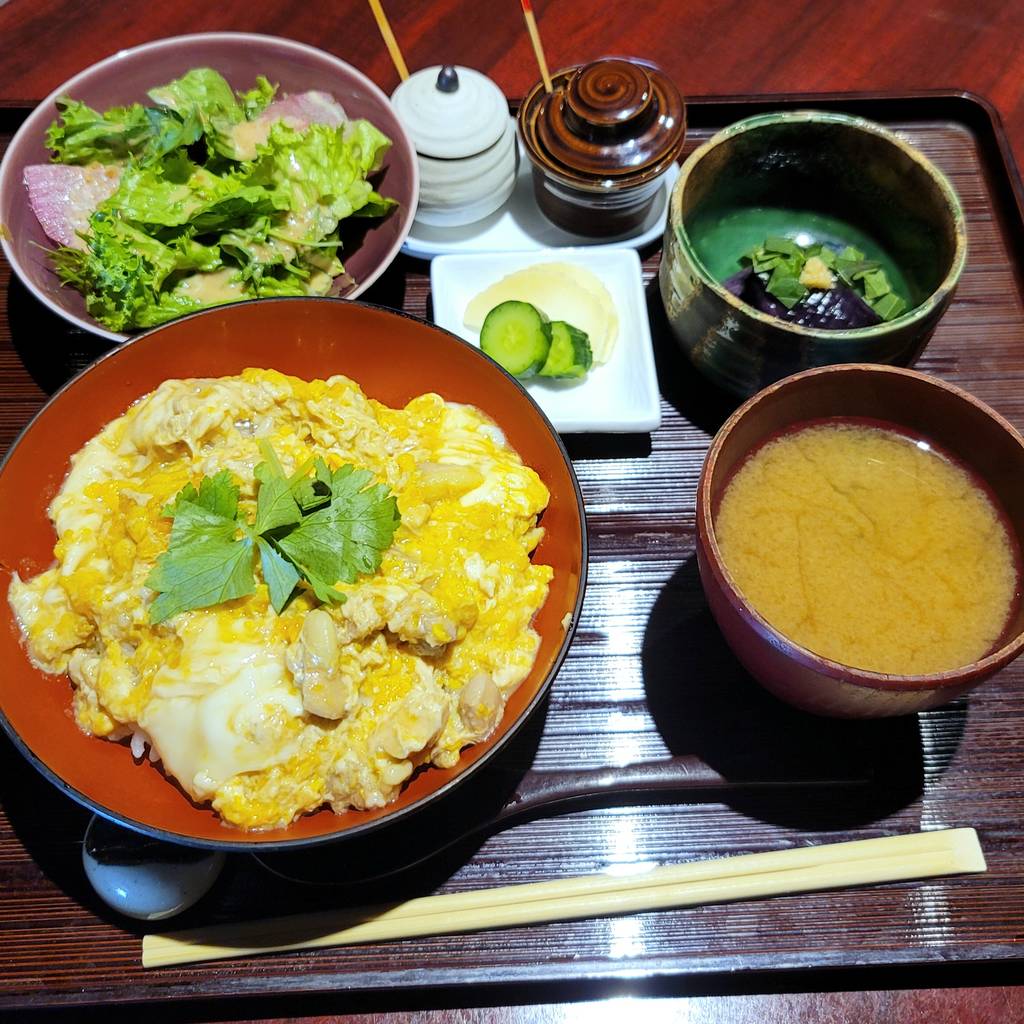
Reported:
(815, 177)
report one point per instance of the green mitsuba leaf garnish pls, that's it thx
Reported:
(333, 526)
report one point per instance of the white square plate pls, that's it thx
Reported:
(619, 396)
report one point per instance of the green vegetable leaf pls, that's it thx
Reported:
(168, 132)
(876, 284)
(202, 95)
(269, 225)
(826, 255)
(786, 287)
(780, 263)
(775, 243)
(201, 89)
(275, 502)
(766, 261)
(313, 494)
(123, 271)
(81, 135)
(120, 273)
(157, 197)
(333, 527)
(889, 306)
(191, 255)
(320, 175)
(347, 537)
(216, 494)
(257, 99)
(205, 562)
(280, 575)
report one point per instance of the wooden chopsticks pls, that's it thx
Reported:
(384, 27)
(538, 49)
(803, 869)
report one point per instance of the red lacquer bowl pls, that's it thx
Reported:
(941, 412)
(393, 357)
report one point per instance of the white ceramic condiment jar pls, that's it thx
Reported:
(465, 140)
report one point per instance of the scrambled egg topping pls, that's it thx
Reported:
(270, 716)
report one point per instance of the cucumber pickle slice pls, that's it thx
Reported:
(570, 354)
(518, 336)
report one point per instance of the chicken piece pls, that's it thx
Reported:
(178, 412)
(480, 706)
(112, 678)
(406, 610)
(189, 411)
(52, 628)
(439, 480)
(413, 723)
(315, 663)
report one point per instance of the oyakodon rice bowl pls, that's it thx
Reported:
(338, 697)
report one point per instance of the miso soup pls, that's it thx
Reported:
(870, 546)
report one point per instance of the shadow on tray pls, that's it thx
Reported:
(389, 289)
(52, 350)
(48, 824)
(704, 702)
(693, 396)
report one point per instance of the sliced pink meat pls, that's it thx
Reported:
(305, 108)
(298, 111)
(62, 197)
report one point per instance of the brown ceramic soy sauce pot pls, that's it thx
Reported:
(600, 142)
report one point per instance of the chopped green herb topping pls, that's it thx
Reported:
(781, 262)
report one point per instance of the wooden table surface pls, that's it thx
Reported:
(759, 46)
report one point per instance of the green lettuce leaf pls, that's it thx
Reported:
(204, 96)
(150, 197)
(167, 306)
(321, 174)
(123, 273)
(257, 99)
(81, 135)
(201, 90)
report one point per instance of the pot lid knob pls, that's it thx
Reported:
(447, 79)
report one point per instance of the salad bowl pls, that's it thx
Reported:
(125, 77)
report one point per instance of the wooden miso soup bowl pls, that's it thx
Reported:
(944, 414)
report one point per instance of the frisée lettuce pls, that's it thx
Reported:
(194, 224)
